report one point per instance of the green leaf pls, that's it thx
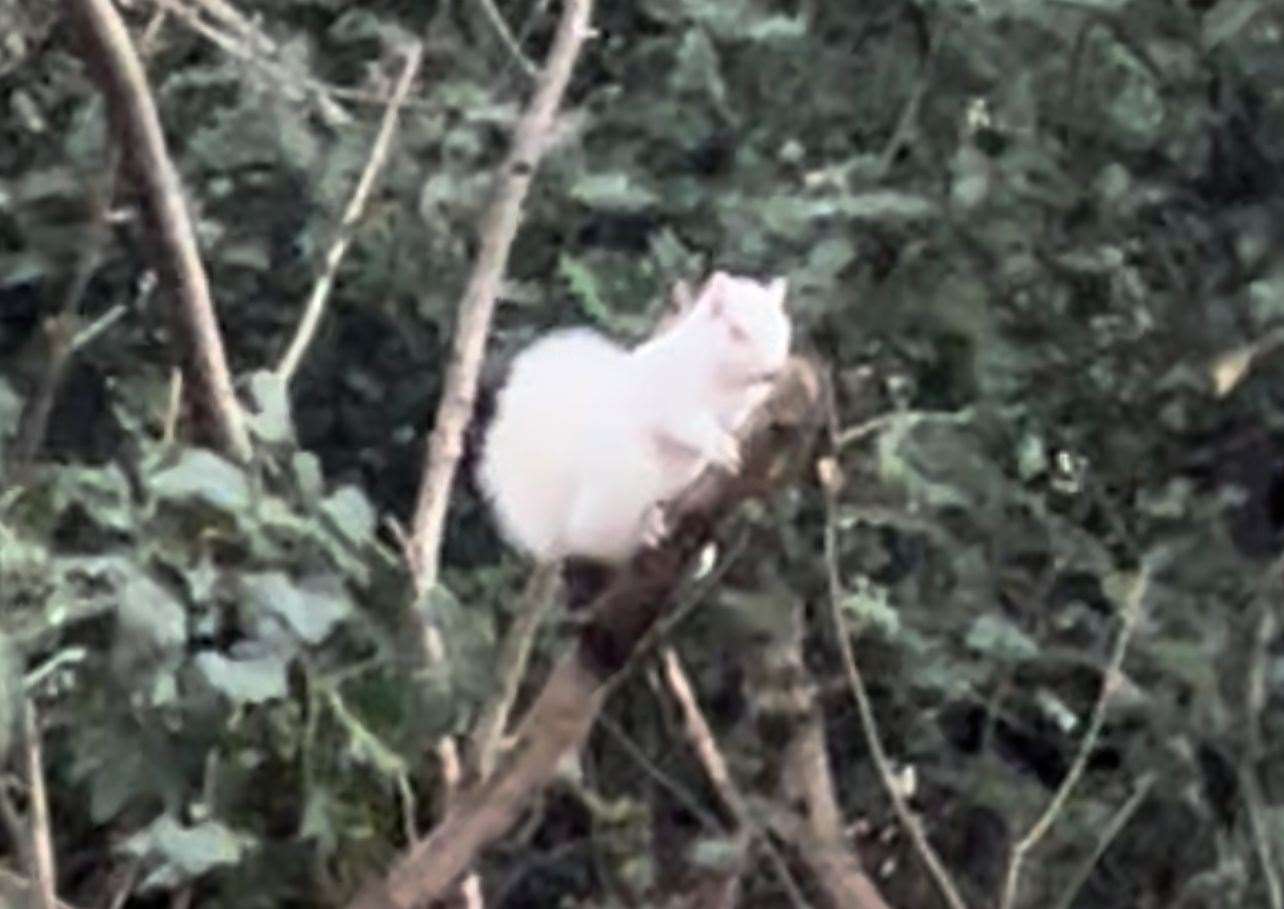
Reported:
(998, 638)
(777, 28)
(616, 191)
(204, 477)
(184, 853)
(150, 619)
(250, 681)
(1056, 710)
(309, 613)
(102, 494)
(1032, 457)
(1223, 21)
(971, 183)
(271, 420)
(351, 514)
(715, 853)
(794, 214)
(698, 69)
(584, 287)
(870, 604)
(307, 475)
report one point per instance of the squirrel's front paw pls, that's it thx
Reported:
(727, 453)
(655, 526)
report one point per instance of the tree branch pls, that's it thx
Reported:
(715, 767)
(488, 731)
(315, 307)
(908, 820)
(445, 445)
(563, 713)
(45, 877)
(1109, 683)
(110, 56)
(810, 816)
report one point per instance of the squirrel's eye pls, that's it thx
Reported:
(738, 334)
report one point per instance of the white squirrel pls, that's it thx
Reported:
(590, 439)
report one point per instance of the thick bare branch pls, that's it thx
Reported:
(17, 891)
(109, 54)
(810, 816)
(560, 719)
(445, 445)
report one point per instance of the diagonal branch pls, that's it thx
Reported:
(873, 739)
(109, 54)
(315, 307)
(488, 731)
(784, 695)
(530, 140)
(719, 772)
(562, 715)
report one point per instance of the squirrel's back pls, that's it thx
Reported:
(535, 448)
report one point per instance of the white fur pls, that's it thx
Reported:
(589, 438)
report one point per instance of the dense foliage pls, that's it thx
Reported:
(1041, 246)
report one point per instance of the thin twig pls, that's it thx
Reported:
(173, 406)
(1108, 834)
(715, 767)
(41, 840)
(231, 16)
(675, 789)
(474, 314)
(662, 630)
(252, 45)
(488, 732)
(1254, 703)
(1109, 683)
(870, 427)
(110, 56)
(90, 332)
(387, 761)
(496, 19)
(908, 119)
(315, 307)
(33, 422)
(869, 725)
(701, 736)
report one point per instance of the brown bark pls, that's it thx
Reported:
(562, 715)
(109, 55)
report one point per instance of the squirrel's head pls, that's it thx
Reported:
(749, 321)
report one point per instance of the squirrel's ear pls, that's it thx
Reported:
(714, 293)
(681, 298)
(777, 288)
